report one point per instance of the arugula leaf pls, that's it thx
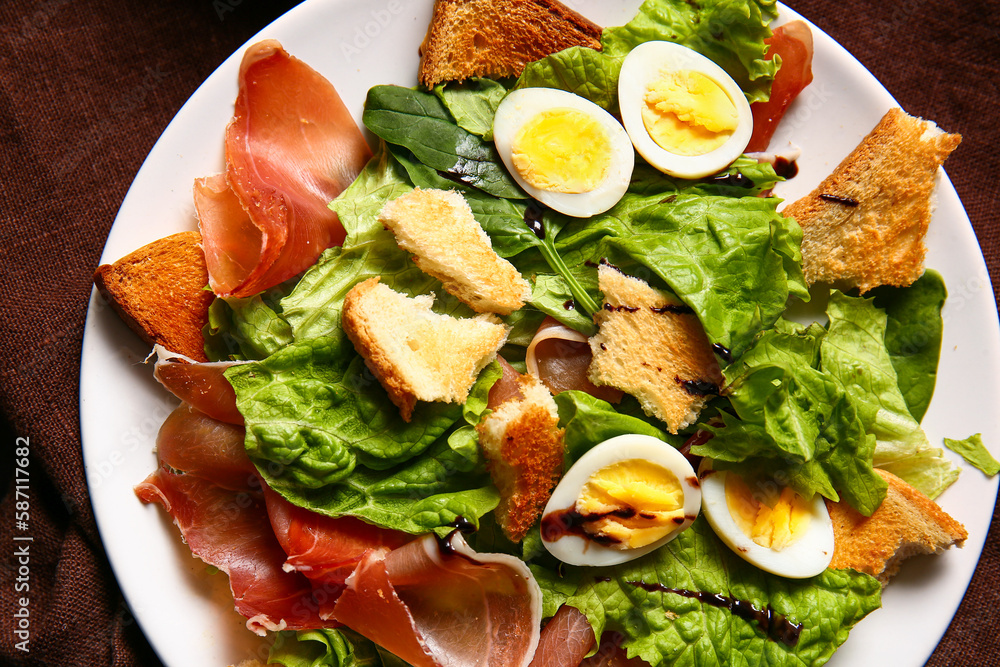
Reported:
(420, 122)
(913, 336)
(975, 453)
(667, 628)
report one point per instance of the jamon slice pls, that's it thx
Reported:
(192, 442)
(325, 549)
(291, 147)
(440, 604)
(202, 384)
(230, 530)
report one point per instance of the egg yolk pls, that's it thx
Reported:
(630, 504)
(562, 150)
(687, 113)
(771, 519)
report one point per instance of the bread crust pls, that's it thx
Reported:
(905, 524)
(864, 225)
(497, 38)
(523, 445)
(159, 292)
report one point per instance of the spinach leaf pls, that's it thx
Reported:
(913, 336)
(473, 103)
(420, 122)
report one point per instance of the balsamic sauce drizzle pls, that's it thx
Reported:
(736, 180)
(775, 626)
(533, 218)
(699, 387)
(724, 352)
(837, 199)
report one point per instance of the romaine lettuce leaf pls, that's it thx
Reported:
(854, 352)
(328, 648)
(666, 628)
(473, 103)
(794, 422)
(729, 32)
(975, 453)
(323, 433)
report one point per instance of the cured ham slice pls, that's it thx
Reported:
(325, 549)
(291, 148)
(560, 357)
(230, 530)
(193, 442)
(506, 388)
(440, 604)
(201, 384)
(565, 640)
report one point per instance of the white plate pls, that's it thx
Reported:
(187, 614)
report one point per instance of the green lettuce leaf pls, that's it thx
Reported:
(793, 422)
(328, 648)
(975, 453)
(727, 258)
(666, 628)
(323, 433)
(913, 336)
(729, 32)
(854, 352)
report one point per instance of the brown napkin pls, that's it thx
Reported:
(85, 90)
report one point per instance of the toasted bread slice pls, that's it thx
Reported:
(905, 524)
(864, 225)
(415, 353)
(438, 227)
(653, 347)
(497, 38)
(159, 291)
(524, 446)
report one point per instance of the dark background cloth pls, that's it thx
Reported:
(85, 90)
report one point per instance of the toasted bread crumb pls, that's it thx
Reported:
(524, 446)
(159, 291)
(646, 348)
(415, 353)
(864, 225)
(905, 524)
(438, 227)
(497, 38)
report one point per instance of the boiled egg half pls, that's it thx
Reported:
(684, 114)
(625, 497)
(564, 150)
(769, 525)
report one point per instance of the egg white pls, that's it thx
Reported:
(646, 63)
(806, 557)
(577, 550)
(521, 105)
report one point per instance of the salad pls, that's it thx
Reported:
(304, 316)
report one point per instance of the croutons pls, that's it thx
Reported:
(524, 446)
(905, 524)
(415, 353)
(864, 225)
(497, 38)
(438, 227)
(159, 291)
(653, 347)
